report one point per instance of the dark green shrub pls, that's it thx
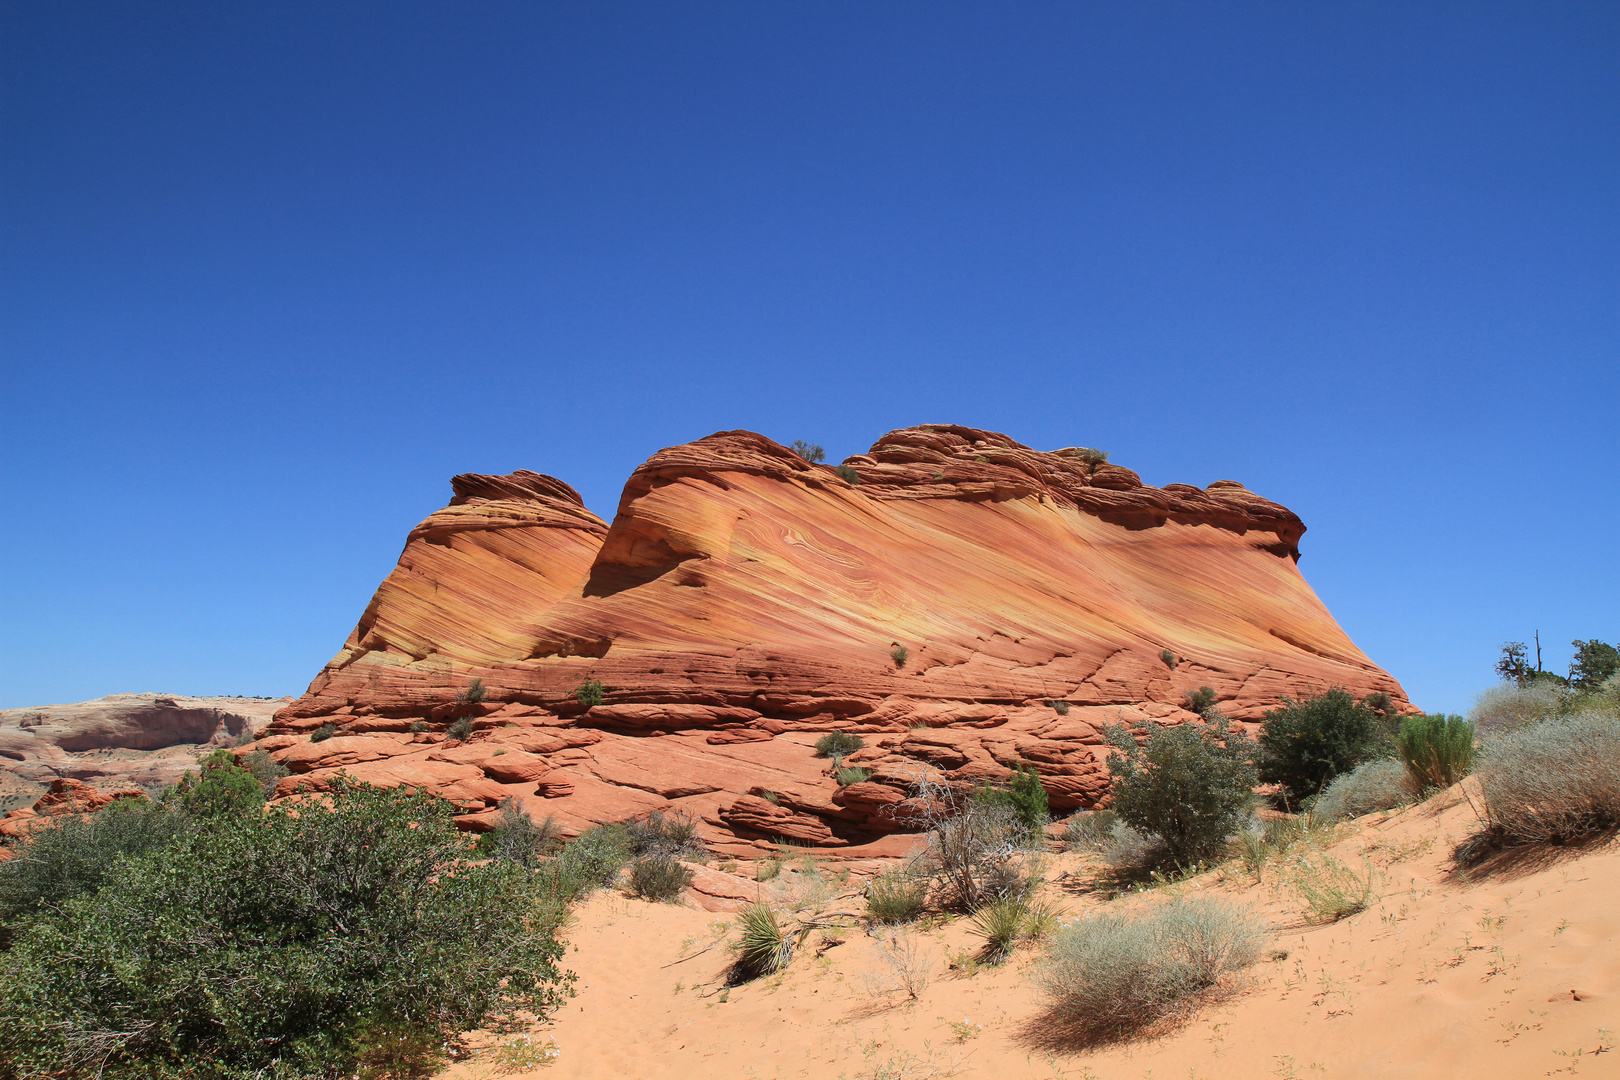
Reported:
(1110, 975)
(658, 877)
(846, 777)
(838, 745)
(589, 693)
(473, 694)
(1437, 750)
(460, 729)
(1200, 699)
(1169, 659)
(518, 837)
(1305, 744)
(322, 733)
(1190, 785)
(285, 944)
(658, 833)
(808, 450)
(899, 654)
(73, 854)
(1025, 796)
(222, 786)
(848, 474)
(1595, 663)
(896, 896)
(417, 726)
(266, 770)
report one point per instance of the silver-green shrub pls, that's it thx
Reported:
(1553, 781)
(1375, 785)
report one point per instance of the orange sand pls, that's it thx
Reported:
(1507, 973)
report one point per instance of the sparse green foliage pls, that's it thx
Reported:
(658, 877)
(1437, 750)
(763, 947)
(595, 857)
(657, 833)
(1090, 456)
(896, 896)
(1305, 744)
(1169, 659)
(899, 654)
(808, 450)
(473, 694)
(848, 474)
(460, 729)
(290, 944)
(590, 692)
(1200, 699)
(1554, 781)
(767, 869)
(1001, 923)
(266, 770)
(1190, 785)
(1025, 796)
(838, 745)
(1331, 890)
(1380, 784)
(416, 726)
(846, 777)
(1110, 975)
(1059, 706)
(322, 733)
(1089, 828)
(518, 837)
(1514, 664)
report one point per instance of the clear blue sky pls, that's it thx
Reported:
(271, 273)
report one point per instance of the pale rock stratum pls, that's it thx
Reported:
(961, 601)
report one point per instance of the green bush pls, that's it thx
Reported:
(1437, 750)
(1089, 828)
(1001, 923)
(896, 896)
(74, 854)
(763, 947)
(1025, 796)
(808, 450)
(1595, 663)
(848, 474)
(473, 694)
(518, 838)
(460, 729)
(222, 786)
(1552, 782)
(590, 692)
(838, 745)
(595, 858)
(286, 944)
(658, 833)
(322, 733)
(1110, 975)
(416, 726)
(658, 877)
(1200, 699)
(1380, 784)
(1169, 660)
(266, 770)
(1190, 785)
(1305, 744)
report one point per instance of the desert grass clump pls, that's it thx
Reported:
(838, 745)
(1330, 889)
(1191, 785)
(1110, 975)
(846, 777)
(592, 860)
(322, 733)
(899, 654)
(1382, 784)
(896, 896)
(1509, 707)
(416, 726)
(1001, 924)
(518, 838)
(906, 966)
(460, 729)
(1437, 750)
(1169, 659)
(1059, 706)
(1552, 782)
(763, 947)
(658, 877)
(658, 833)
(1089, 828)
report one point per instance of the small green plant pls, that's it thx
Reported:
(658, 877)
(808, 450)
(1437, 750)
(1090, 456)
(1190, 785)
(1025, 796)
(1109, 975)
(590, 692)
(896, 896)
(771, 797)
(1170, 661)
(848, 474)
(518, 837)
(417, 726)
(838, 745)
(899, 654)
(322, 733)
(1089, 828)
(1059, 706)
(1000, 924)
(657, 833)
(1331, 890)
(767, 869)
(846, 777)
(523, 1054)
(460, 729)
(1200, 699)
(473, 694)
(762, 948)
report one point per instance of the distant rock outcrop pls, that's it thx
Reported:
(964, 602)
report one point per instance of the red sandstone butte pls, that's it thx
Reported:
(744, 600)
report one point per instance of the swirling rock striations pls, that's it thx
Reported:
(962, 601)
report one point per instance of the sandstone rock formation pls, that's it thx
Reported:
(124, 740)
(964, 602)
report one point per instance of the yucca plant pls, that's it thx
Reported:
(764, 947)
(1437, 750)
(1000, 924)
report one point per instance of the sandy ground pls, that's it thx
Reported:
(1508, 972)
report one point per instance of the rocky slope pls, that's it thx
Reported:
(962, 601)
(123, 740)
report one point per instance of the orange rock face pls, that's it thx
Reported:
(966, 604)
